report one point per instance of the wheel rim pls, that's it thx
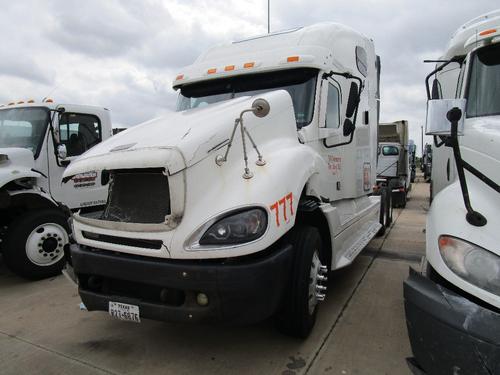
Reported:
(316, 278)
(45, 244)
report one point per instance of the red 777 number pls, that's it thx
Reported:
(282, 202)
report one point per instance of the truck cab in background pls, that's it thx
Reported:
(453, 304)
(427, 162)
(251, 192)
(393, 164)
(37, 142)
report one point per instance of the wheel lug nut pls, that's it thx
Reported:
(320, 296)
(320, 288)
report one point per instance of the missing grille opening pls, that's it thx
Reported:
(137, 196)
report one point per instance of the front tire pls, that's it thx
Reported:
(34, 244)
(298, 313)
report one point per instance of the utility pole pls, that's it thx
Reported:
(268, 16)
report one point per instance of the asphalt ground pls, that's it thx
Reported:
(360, 329)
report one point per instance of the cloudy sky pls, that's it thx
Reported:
(123, 55)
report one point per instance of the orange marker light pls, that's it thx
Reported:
(30, 101)
(444, 241)
(229, 68)
(179, 77)
(248, 65)
(11, 103)
(21, 102)
(211, 71)
(49, 101)
(292, 59)
(487, 32)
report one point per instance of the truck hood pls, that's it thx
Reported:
(176, 141)
(18, 165)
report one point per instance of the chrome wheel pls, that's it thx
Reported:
(317, 276)
(45, 244)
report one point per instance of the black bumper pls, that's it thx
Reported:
(240, 291)
(449, 334)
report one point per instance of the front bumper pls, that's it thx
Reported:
(449, 334)
(240, 290)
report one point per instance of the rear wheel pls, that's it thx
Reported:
(34, 244)
(298, 313)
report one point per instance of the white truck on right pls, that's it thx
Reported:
(453, 304)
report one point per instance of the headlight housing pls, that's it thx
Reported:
(236, 228)
(472, 263)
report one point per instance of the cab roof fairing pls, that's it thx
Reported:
(324, 46)
(456, 46)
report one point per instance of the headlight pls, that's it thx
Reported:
(472, 263)
(241, 227)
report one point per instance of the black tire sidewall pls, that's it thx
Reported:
(14, 250)
(295, 319)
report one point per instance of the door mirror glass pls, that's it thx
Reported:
(62, 153)
(437, 122)
(353, 100)
(348, 127)
(436, 90)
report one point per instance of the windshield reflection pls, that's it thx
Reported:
(23, 127)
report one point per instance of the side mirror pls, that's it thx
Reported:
(62, 153)
(352, 101)
(437, 122)
(348, 127)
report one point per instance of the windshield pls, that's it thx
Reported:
(390, 151)
(300, 84)
(484, 83)
(23, 127)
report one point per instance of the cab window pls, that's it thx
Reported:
(79, 132)
(333, 107)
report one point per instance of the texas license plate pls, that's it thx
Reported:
(124, 311)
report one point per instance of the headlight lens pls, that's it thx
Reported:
(473, 263)
(237, 228)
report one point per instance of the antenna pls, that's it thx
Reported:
(268, 16)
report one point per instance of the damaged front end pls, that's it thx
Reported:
(450, 332)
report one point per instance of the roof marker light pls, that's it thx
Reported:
(487, 32)
(179, 77)
(20, 102)
(228, 68)
(248, 65)
(11, 103)
(212, 71)
(30, 101)
(292, 59)
(49, 101)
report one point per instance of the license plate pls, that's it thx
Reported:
(124, 311)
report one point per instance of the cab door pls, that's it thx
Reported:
(330, 133)
(78, 132)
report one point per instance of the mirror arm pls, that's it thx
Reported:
(472, 217)
(52, 113)
(338, 144)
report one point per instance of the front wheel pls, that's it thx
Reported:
(34, 244)
(305, 290)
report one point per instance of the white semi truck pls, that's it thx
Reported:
(235, 207)
(393, 163)
(37, 142)
(453, 304)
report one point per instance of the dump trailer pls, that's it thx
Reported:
(452, 303)
(37, 143)
(393, 166)
(236, 207)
